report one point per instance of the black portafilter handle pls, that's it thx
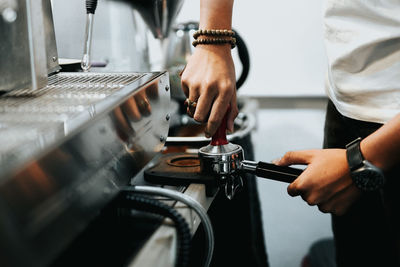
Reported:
(271, 171)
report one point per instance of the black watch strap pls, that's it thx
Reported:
(354, 156)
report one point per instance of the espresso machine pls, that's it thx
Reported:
(72, 141)
(69, 140)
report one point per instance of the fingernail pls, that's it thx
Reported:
(276, 161)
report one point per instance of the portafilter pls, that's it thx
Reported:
(226, 162)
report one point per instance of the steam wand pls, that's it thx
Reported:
(91, 6)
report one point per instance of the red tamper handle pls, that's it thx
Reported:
(219, 138)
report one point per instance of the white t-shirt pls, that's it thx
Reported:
(363, 48)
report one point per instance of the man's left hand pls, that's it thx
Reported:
(326, 181)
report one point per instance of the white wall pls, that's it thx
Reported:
(285, 42)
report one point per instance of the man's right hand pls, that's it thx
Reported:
(209, 79)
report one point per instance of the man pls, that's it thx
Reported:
(363, 47)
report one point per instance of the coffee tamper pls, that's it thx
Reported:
(225, 161)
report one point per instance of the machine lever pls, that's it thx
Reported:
(271, 171)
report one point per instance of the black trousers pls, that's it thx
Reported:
(368, 234)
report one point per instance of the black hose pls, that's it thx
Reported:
(142, 203)
(244, 57)
(91, 6)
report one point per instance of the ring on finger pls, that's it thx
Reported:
(190, 103)
(191, 107)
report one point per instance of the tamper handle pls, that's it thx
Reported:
(219, 138)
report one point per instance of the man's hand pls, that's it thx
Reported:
(326, 181)
(209, 79)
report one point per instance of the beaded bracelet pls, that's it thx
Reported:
(217, 41)
(228, 33)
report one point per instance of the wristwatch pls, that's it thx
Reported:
(365, 175)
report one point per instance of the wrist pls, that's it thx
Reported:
(217, 49)
(370, 153)
(365, 174)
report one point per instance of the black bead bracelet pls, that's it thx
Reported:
(217, 41)
(227, 33)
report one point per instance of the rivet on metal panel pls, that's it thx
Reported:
(167, 117)
(9, 14)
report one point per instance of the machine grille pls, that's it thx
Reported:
(26, 114)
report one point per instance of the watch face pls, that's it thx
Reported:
(368, 179)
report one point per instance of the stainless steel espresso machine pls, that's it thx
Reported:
(69, 141)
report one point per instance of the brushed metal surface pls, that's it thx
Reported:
(50, 38)
(22, 48)
(69, 147)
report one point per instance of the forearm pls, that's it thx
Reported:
(216, 14)
(209, 77)
(382, 148)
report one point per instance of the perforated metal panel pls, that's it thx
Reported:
(26, 114)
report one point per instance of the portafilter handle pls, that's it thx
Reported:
(271, 171)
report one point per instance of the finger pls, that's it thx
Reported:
(193, 96)
(294, 189)
(341, 202)
(232, 114)
(185, 88)
(204, 105)
(295, 157)
(218, 111)
(300, 187)
(182, 71)
(194, 93)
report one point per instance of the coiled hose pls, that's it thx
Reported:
(142, 203)
(190, 202)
